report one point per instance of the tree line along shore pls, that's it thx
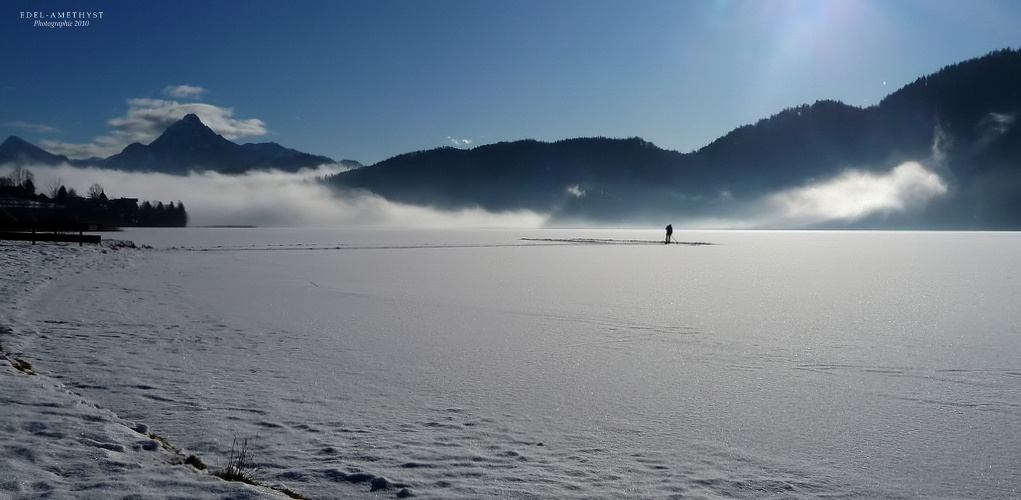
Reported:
(22, 204)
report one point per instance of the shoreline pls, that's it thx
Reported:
(56, 442)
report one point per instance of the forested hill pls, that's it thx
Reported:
(514, 175)
(968, 110)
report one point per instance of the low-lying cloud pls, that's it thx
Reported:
(273, 198)
(460, 142)
(854, 195)
(850, 197)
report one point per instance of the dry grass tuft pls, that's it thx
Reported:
(239, 465)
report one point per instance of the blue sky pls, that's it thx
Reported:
(366, 80)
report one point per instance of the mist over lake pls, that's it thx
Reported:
(574, 364)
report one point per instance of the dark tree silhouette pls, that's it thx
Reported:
(95, 191)
(66, 206)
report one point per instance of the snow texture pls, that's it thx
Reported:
(511, 364)
(55, 443)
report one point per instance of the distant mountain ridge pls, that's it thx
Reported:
(960, 121)
(966, 111)
(186, 145)
(17, 151)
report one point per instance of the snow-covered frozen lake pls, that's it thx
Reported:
(477, 364)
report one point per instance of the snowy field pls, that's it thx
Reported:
(516, 364)
(55, 443)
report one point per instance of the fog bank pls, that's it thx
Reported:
(275, 198)
(271, 198)
(855, 195)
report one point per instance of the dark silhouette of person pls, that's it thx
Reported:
(669, 232)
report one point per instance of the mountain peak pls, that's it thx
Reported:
(14, 140)
(188, 131)
(15, 150)
(189, 144)
(191, 121)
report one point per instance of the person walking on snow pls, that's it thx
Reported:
(669, 232)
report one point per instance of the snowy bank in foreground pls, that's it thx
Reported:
(56, 444)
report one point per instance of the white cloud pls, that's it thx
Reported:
(992, 126)
(45, 129)
(146, 119)
(1000, 122)
(274, 198)
(75, 151)
(575, 191)
(184, 92)
(460, 142)
(856, 194)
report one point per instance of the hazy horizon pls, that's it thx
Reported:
(279, 199)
